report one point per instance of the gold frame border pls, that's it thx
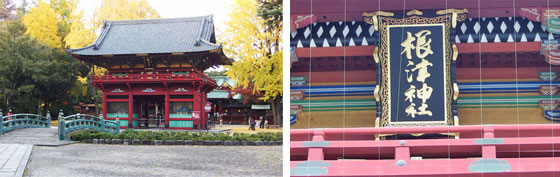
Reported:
(380, 22)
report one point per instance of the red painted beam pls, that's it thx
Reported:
(438, 167)
(503, 47)
(351, 10)
(432, 148)
(467, 131)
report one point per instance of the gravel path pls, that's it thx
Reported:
(120, 160)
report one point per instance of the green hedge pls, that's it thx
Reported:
(176, 135)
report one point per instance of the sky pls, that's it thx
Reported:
(173, 9)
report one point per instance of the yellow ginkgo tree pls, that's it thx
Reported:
(257, 51)
(42, 24)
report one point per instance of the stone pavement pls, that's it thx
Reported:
(16, 147)
(79, 160)
(14, 158)
(35, 136)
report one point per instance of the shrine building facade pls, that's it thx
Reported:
(154, 71)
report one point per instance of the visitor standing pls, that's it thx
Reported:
(221, 116)
(261, 125)
(252, 123)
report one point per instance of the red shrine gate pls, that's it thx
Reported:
(155, 70)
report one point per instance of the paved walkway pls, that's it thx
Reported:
(13, 159)
(79, 160)
(35, 136)
(16, 147)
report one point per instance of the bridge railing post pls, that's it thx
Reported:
(48, 119)
(1, 122)
(118, 125)
(61, 135)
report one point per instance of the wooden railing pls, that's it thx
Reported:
(16, 121)
(194, 76)
(77, 122)
(505, 149)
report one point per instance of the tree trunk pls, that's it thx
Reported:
(277, 110)
(46, 107)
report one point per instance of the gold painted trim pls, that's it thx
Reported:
(376, 93)
(376, 54)
(448, 11)
(453, 13)
(456, 120)
(455, 91)
(178, 53)
(455, 52)
(384, 57)
(414, 12)
(380, 13)
(377, 126)
(371, 17)
(214, 50)
(141, 54)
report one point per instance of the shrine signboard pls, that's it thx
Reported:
(415, 58)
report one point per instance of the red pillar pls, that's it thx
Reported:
(203, 110)
(130, 108)
(196, 107)
(167, 109)
(104, 105)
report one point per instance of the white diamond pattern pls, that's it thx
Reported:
(530, 26)
(312, 43)
(490, 27)
(497, 38)
(476, 28)
(306, 32)
(503, 27)
(523, 38)
(470, 39)
(358, 30)
(537, 38)
(364, 41)
(332, 32)
(338, 43)
(320, 31)
(345, 31)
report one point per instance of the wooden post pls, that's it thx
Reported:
(118, 124)
(61, 135)
(130, 110)
(48, 119)
(104, 107)
(166, 109)
(489, 150)
(316, 153)
(1, 122)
